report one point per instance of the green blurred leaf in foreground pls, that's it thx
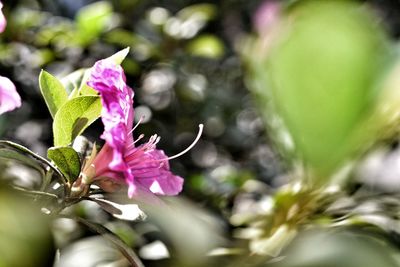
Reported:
(323, 67)
(321, 249)
(25, 237)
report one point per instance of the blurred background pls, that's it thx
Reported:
(184, 71)
(185, 68)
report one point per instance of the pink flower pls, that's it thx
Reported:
(267, 14)
(3, 21)
(117, 115)
(143, 167)
(9, 98)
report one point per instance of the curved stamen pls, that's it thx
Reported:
(187, 149)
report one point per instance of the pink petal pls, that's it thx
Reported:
(166, 184)
(117, 115)
(152, 172)
(3, 21)
(102, 161)
(143, 195)
(9, 98)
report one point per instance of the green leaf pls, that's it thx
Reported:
(67, 160)
(25, 151)
(15, 151)
(118, 57)
(322, 93)
(18, 156)
(85, 89)
(74, 117)
(53, 92)
(92, 19)
(73, 81)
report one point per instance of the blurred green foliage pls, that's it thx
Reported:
(25, 236)
(322, 74)
(92, 20)
(184, 71)
(185, 67)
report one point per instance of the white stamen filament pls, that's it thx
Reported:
(139, 138)
(188, 148)
(136, 125)
(157, 140)
(152, 139)
(150, 145)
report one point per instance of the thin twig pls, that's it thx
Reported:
(34, 192)
(127, 251)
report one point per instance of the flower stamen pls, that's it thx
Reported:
(136, 125)
(188, 148)
(139, 138)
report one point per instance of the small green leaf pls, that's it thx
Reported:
(67, 160)
(74, 93)
(118, 57)
(85, 89)
(73, 81)
(74, 117)
(53, 92)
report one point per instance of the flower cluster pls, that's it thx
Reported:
(143, 167)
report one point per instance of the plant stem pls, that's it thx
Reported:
(35, 193)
